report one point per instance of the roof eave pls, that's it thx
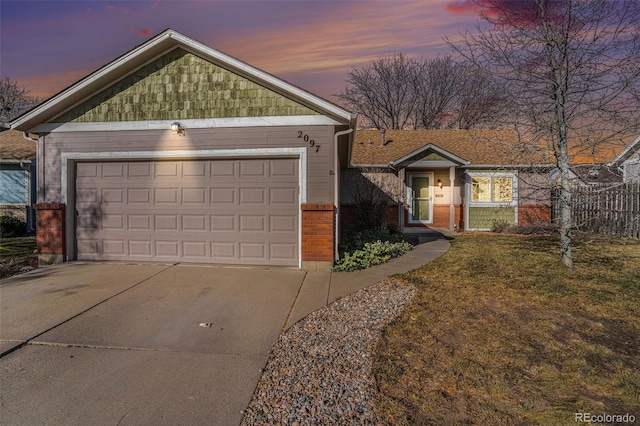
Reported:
(443, 152)
(624, 153)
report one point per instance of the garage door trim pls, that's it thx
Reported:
(68, 179)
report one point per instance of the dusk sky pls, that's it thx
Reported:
(48, 45)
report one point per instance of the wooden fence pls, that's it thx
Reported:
(605, 209)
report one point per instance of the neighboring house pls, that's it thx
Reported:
(628, 161)
(17, 177)
(177, 152)
(459, 179)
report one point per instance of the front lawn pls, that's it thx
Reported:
(16, 248)
(501, 333)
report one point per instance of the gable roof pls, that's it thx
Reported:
(633, 147)
(14, 147)
(465, 147)
(151, 50)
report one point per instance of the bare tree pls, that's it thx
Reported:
(383, 92)
(400, 93)
(14, 99)
(570, 73)
(437, 91)
(479, 102)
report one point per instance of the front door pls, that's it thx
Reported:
(421, 207)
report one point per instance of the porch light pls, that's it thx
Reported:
(439, 184)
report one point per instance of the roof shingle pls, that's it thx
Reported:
(14, 147)
(478, 147)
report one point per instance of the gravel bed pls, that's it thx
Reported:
(319, 371)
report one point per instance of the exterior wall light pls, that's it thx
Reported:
(439, 184)
(176, 127)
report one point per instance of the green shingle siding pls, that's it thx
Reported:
(484, 217)
(181, 85)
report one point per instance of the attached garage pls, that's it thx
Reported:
(233, 211)
(176, 152)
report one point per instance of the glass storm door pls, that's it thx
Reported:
(421, 210)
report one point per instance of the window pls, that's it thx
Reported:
(480, 189)
(492, 189)
(14, 183)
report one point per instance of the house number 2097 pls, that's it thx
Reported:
(307, 139)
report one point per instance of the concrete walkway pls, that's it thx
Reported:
(140, 344)
(321, 288)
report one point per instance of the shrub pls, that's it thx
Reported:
(364, 248)
(12, 227)
(372, 254)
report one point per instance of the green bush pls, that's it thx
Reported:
(364, 248)
(12, 227)
(372, 254)
(356, 239)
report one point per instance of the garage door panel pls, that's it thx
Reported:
(113, 170)
(166, 222)
(253, 251)
(140, 248)
(113, 195)
(193, 169)
(282, 251)
(194, 223)
(223, 196)
(139, 195)
(223, 222)
(139, 222)
(282, 223)
(223, 169)
(139, 170)
(242, 211)
(194, 196)
(113, 247)
(224, 251)
(252, 223)
(252, 196)
(113, 222)
(167, 169)
(252, 169)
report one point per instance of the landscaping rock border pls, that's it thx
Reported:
(319, 371)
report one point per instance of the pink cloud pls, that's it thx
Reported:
(460, 7)
(145, 32)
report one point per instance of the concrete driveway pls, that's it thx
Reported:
(149, 344)
(139, 344)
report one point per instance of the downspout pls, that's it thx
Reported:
(336, 190)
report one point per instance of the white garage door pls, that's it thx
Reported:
(236, 211)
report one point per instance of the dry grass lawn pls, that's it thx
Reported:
(500, 333)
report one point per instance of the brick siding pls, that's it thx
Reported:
(318, 232)
(50, 228)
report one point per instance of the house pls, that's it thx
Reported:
(467, 179)
(17, 177)
(454, 179)
(177, 152)
(628, 161)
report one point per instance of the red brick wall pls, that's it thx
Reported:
(531, 214)
(318, 232)
(50, 228)
(440, 216)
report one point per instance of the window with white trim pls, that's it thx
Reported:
(492, 188)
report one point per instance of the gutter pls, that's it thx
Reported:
(336, 189)
(26, 137)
